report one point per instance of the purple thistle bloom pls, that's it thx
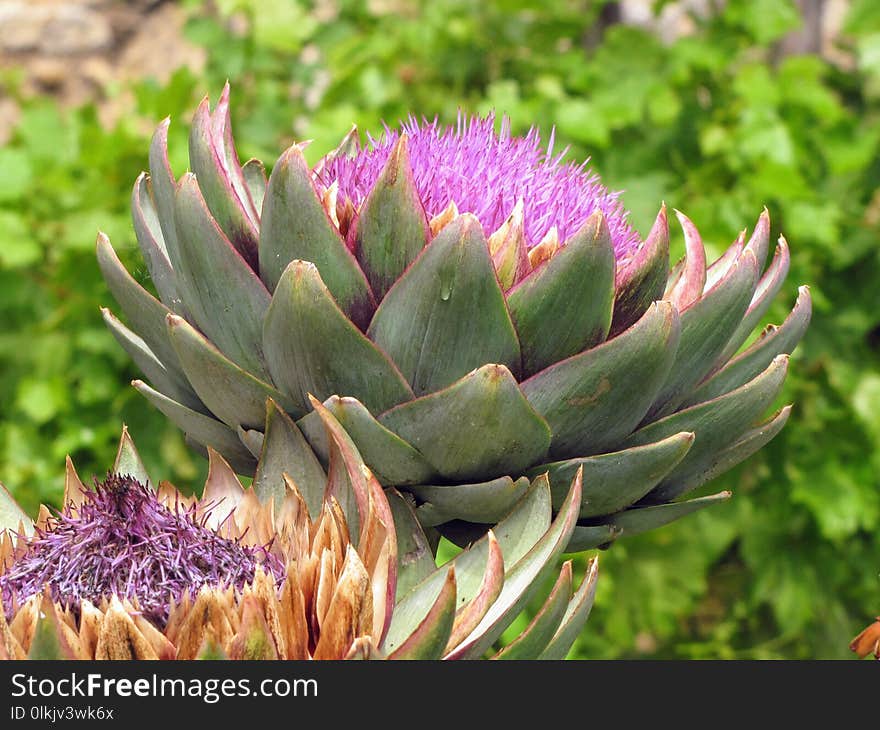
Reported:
(122, 541)
(485, 173)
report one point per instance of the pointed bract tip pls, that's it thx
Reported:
(271, 405)
(662, 218)
(597, 221)
(397, 162)
(747, 257)
(299, 269)
(189, 179)
(516, 215)
(664, 307)
(683, 219)
(401, 146)
(467, 222)
(124, 438)
(294, 152)
(450, 575)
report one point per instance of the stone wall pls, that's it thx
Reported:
(77, 50)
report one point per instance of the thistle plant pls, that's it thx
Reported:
(474, 310)
(121, 539)
(333, 567)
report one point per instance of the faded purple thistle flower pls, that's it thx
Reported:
(122, 541)
(485, 173)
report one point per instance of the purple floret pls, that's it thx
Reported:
(122, 541)
(485, 173)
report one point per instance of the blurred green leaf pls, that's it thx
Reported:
(41, 400)
(16, 172)
(582, 121)
(863, 17)
(765, 20)
(18, 249)
(866, 402)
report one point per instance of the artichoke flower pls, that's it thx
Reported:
(470, 307)
(330, 568)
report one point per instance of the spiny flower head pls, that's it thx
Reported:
(336, 597)
(459, 351)
(122, 541)
(486, 173)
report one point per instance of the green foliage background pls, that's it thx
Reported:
(717, 124)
